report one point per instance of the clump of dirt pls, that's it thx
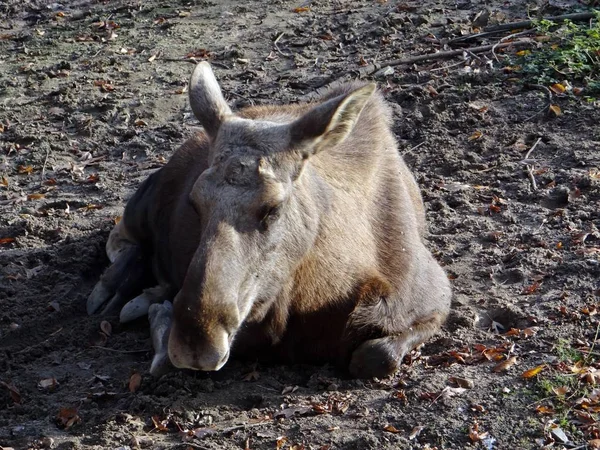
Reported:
(93, 99)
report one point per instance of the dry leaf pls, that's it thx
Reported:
(555, 109)
(135, 381)
(415, 432)
(560, 391)
(557, 88)
(542, 409)
(528, 290)
(594, 443)
(25, 169)
(281, 440)
(48, 383)
(301, 9)
(160, 425)
(533, 372)
(106, 327)
(391, 429)
(476, 135)
(4, 181)
(7, 240)
(35, 196)
(12, 391)
(462, 382)
(140, 123)
(67, 417)
(505, 365)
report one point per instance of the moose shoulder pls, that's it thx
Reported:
(289, 233)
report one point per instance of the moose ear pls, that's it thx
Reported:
(206, 99)
(328, 124)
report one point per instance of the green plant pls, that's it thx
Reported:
(567, 52)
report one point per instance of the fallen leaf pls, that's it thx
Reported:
(293, 411)
(25, 169)
(4, 181)
(505, 365)
(528, 290)
(160, 425)
(542, 409)
(465, 383)
(200, 53)
(555, 109)
(391, 429)
(7, 240)
(106, 327)
(475, 435)
(35, 196)
(415, 432)
(48, 383)
(476, 135)
(67, 417)
(561, 390)
(135, 381)
(533, 372)
(14, 393)
(301, 9)
(594, 443)
(557, 88)
(140, 123)
(280, 442)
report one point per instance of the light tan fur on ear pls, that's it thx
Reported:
(328, 124)
(343, 120)
(206, 99)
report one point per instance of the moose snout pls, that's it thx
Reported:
(208, 353)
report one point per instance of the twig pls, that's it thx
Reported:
(44, 165)
(120, 351)
(530, 166)
(413, 148)
(39, 343)
(504, 39)
(373, 68)
(277, 47)
(527, 23)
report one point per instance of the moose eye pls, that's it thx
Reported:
(268, 215)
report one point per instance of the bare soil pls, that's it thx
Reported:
(92, 100)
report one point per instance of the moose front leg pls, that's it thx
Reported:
(387, 324)
(382, 357)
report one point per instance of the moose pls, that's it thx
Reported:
(288, 234)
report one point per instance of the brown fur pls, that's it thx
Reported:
(363, 291)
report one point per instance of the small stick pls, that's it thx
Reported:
(119, 351)
(413, 148)
(44, 166)
(528, 23)
(277, 47)
(530, 166)
(373, 68)
(504, 39)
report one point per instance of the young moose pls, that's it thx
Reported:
(283, 233)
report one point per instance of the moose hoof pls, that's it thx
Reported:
(134, 309)
(375, 358)
(99, 296)
(160, 317)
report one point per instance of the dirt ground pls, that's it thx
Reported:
(92, 100)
